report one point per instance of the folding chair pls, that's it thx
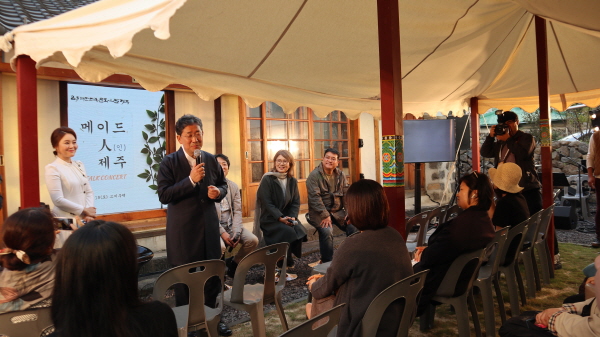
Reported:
(487, 277)
(457, 290)
(315, 328)
(250, 297)
(408, 289)
(195, 315)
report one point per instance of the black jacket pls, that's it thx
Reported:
(521, 145)
(469, 231)
(192, 222)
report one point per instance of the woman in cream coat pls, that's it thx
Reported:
(67, 180)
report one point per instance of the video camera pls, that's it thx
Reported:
(501, 128)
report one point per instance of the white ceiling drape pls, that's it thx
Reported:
(324, 54)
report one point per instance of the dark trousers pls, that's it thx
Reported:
(326, 238)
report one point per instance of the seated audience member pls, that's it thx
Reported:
(229, 212)
(511, 206)
(28, 261)
(580, 319)
(96, 288)
(472, 229)
(366, 263)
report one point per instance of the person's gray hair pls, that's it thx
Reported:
(185, 121)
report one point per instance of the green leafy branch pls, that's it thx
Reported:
(154, 147)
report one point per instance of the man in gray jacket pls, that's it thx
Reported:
(326, 186)
(229, 212)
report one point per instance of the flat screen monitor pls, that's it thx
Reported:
(427, 141)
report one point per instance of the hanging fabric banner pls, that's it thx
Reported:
(392, 149)
(546, 132)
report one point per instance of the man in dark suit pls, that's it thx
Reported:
(191, 191)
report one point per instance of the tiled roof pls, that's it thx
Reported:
(14, 13)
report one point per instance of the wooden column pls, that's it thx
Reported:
(391, 103)
(475, 157)
(29, 176)
(218, 127)
(545, 121)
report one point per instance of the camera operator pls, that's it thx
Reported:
(506, 144)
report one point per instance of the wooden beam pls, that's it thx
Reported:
(69, 75)
(388, 23)
(475, 156)
(170, 121)
(545, 121)
(29, 175)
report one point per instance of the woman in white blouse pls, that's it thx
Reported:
(67, 180)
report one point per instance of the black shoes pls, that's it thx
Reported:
(223, 330)
(231, 268)
(596, 244)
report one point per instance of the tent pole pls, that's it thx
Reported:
(29, 178)
(388, 23)
(545, 121)
(475, 157)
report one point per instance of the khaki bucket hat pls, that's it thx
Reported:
(506, 177)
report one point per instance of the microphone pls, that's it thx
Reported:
(198, 155)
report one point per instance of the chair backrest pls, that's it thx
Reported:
(267, 256)
(314, 327)
(26, 323)
(436, 216)
(494, 248)
(421, 219)
(409, 290)
(452, 212)
(461, 274)
(545, 219)
(532, 227)
(194, 275)
(514, 243)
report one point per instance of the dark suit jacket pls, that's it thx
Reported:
(192, 223)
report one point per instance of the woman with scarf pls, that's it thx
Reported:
(278, 204)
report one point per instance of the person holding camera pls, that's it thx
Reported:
(277, 206)
(507, 144)
(229, 212)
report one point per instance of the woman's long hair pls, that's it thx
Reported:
(96, 282)
(30, 230)
(481, 183)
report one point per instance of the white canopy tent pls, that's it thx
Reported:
(324, 54)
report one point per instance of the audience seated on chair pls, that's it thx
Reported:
(366, 263)
(511, 206)
(28, 260)
(580, 319)
(96, 288)
(471, 230)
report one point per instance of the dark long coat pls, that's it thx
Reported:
(274, 206)
(192, 223)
